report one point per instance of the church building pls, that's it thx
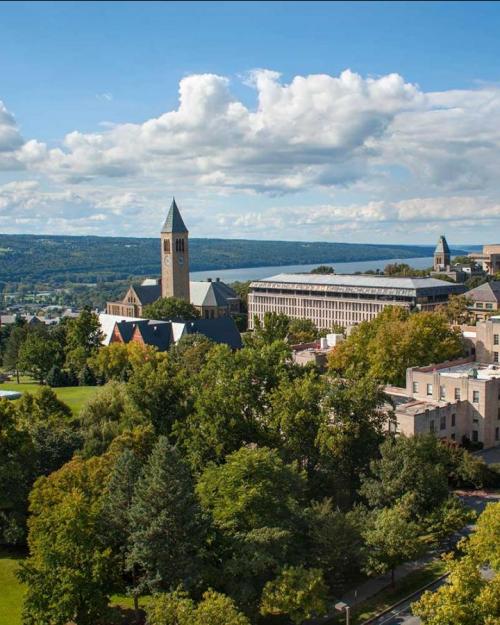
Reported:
(212, 298)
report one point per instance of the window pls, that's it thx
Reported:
(475, 436)
(431, 426)
(442, 422)
(495, 339)
(442, 392)
(453, 437)
(457, 394)
(479, 304)
(429, 389)
(495, 356)
(415, 387)
(475, 397)
(489, 306)
(166, 246)
(453, 420)
(497, 433)
(498, 414)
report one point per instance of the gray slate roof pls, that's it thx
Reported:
(210, 293)
(488, 292)
(375, 283)
(442, 246)
(174, 222)
(147, 294)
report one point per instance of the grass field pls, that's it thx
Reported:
(11, 590)
(74, 396)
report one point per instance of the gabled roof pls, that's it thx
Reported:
(174, 222)
(147, 294)
(210, 294)
(220, 330)
(488, 292)
(156, 333)
(442, 246)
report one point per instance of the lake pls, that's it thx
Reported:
(257, 273)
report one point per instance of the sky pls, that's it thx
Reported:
(367, 122)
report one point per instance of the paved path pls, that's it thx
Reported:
(476, 500)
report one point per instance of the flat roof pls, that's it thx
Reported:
(364, 281)
(469, 369)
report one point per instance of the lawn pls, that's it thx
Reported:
(11, 590)
(74, 396)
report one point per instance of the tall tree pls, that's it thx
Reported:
(391, 539)
(167, 308)
(37, 354)
(71, 572)
(166, 523)
(13, 347)
(83, 339)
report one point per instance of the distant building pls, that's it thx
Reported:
(442, 255)
(485, 299)
(317, 351)
(489, 258)
(346, 300)
(212, 299)
(455, 400)
(458, 272)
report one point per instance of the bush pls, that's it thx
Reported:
(86, 377)
(56, 377)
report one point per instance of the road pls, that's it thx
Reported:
(401, 614)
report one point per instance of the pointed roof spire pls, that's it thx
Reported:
(442, 246)
(173, 222)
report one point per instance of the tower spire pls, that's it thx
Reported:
(174, 221)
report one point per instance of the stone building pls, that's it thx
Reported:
(456, 400)
(489, 258)
(212, 299)
(485, 299)
(346, 300)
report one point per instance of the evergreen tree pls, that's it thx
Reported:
(166, 523)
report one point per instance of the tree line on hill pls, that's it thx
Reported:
(231, 487)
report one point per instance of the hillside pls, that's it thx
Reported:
(59, 259)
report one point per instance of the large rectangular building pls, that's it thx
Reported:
(455, 400)
(343, 299)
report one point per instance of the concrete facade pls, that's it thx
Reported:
(346, 300)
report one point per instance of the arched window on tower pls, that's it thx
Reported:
(166, 246)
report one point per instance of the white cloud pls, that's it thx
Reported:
(403, 155)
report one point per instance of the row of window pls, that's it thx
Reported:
(481, 305)
(179, 245)
(442, 392)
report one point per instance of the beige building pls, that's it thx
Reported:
(456, 400)
(489, 259)
(484, 299)
(346, 300)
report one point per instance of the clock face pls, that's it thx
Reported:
(167, 261)
(181, 260)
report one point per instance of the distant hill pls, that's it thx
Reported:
(59, 259)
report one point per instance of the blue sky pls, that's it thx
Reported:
(340, 121)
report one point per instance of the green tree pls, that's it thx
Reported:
(386, 346)
(83, 339)
(166, 526)
(13, 346)
(176, 608)
(274, 327)
(253, 489)
(16, 471)
(413, 466)
(391, 539)
(350, 438)
(37, 355)
(302, 331)
(334, 543)
(323, 269)
(297, 592)
(117, 502)
(456, 309)
(105, 415)
(71, 572)
(167, 308)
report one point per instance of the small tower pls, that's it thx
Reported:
(174, 256)
(442, 256)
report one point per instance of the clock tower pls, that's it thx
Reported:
(174, 256)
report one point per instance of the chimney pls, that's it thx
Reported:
(209, 279)
(217, 279)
